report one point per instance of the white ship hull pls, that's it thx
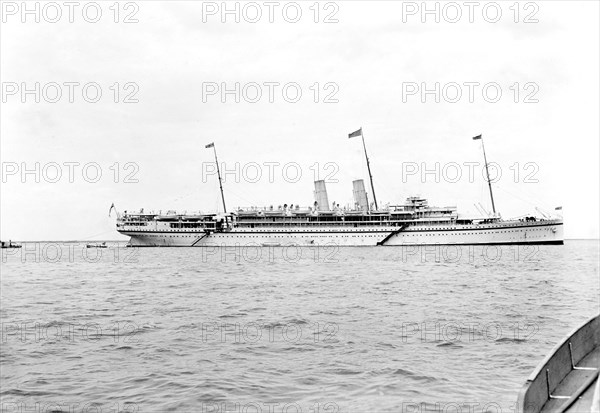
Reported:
(503, 232)
(413, 223)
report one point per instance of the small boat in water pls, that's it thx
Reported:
(103, 245)
(9, 244)
(567, 379)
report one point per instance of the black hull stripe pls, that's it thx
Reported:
(557, 242)
(554, 242)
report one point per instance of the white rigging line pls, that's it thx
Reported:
(544, 209)
(528, 201)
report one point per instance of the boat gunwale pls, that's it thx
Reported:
(539, 370)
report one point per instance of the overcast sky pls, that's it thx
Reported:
(369, 69)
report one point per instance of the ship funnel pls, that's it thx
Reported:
(360, 195)
(321, 196)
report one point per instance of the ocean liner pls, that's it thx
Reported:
(413, 222)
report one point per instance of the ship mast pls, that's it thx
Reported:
(360, 133)
(212, 145)
(487, 171)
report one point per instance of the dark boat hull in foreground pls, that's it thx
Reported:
(567, 379)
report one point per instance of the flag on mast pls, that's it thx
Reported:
(355, 133)
(477, 137)
(210, 145)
